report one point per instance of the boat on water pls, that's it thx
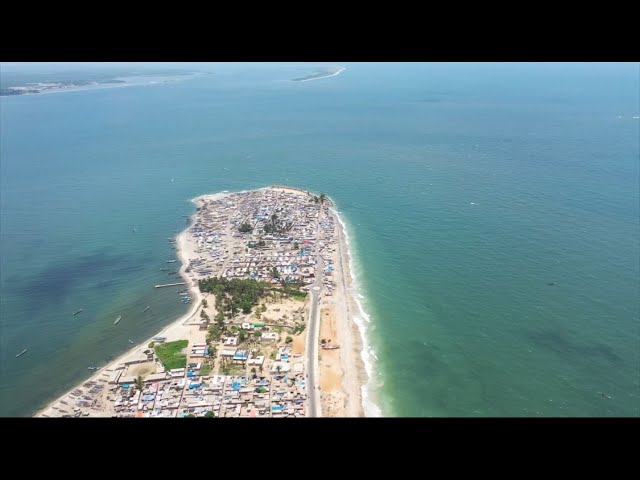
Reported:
(21, 353)
(117, 319)
(75, 313)
(130, 342)
(148, 307)
(93, 368)
(171, 261)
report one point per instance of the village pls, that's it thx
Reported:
(232, 359)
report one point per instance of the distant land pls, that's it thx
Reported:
(33, 87)
(25, 85)
(325, 72)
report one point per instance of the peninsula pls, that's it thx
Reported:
(327, 72)
(270, 332)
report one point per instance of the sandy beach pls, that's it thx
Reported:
(179, 329)
(343, 376)
(338, 72)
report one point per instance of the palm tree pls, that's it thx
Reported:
(322, 197)
(140, 383)
(253, 372)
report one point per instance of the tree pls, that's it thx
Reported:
(204, 303)
(322, 197)
(288, 339)
(151, 344)
(210, 414)
(242, 337)
(275, 272)
(245, 228)
(296, 246)
(140, 383)
(253, 372)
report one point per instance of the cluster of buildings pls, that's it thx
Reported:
(187, 392)
(284, 234)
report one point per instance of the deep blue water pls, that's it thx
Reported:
(467, 189)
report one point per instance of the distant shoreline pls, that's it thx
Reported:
(319, 75)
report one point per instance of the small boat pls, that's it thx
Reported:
(21, 353)
(164, 269)
(331, 347)
(130, 342)
(171, 261)
(93, 368)
(148, 307)
(117, 319)
(75, 313)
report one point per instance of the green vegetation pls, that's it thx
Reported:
(210, 414)
(299, 328)
(214, 333)
(262, 243)
(245, 228)
(205, 369)
(242, 337)
(257, 333)
(204, 303)
(288, 340)
(233, 295)
(297, 294)
(151, 344)
(277, 227)
(274, 272)
(320, 199)
(140, 383)
(170, 354)
(296, 246)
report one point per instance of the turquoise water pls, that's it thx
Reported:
(466, 189)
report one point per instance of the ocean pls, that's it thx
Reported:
(492, 212)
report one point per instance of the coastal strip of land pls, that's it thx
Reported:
(268, 275)
(332, 72)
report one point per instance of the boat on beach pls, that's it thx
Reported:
(117, 319)
(75, 313)
(21, 353)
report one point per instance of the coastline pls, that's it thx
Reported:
(355, 367)
(175, 329)
(364, 364)
(342, 69)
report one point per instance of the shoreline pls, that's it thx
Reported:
(342, 69)
(365, 366)
(136, 349)
(356, 366)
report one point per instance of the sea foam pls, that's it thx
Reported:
(367, 353)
